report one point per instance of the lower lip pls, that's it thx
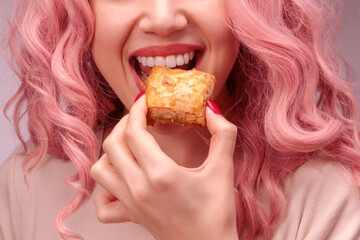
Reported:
(140, 83)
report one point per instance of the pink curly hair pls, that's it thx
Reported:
(290, 100)
(292, 103)
(62, 92)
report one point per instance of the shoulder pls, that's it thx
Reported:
(37, 201)
(10, 175)
(12, 166)
(319, 175)
(45, 179)
(323, 203)
(48, 173)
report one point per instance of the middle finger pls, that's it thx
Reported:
(120, 155)
(105, 175)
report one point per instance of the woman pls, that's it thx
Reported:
(282, 163)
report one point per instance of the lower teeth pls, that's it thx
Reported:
(143, 75)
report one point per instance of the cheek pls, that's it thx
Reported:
(223, 46)
(109, 39)
(106, 45)
(107, 49)
(224, 53)
(103, 51)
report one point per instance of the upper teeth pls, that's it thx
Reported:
(167, 61)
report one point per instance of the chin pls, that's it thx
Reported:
(168, 129)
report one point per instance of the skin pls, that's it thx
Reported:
(141, 166)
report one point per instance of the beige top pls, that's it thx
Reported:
(322, 204)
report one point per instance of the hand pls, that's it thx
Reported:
(145, 186)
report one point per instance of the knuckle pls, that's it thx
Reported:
(102, 217)
(162, 179)
(141, 195)
(116, 135)
(109, 142)
(95, 170)
(130, 133)
(229, 130)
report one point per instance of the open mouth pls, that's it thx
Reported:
(186, 61)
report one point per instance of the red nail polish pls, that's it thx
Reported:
(212, 105)
(139, 96)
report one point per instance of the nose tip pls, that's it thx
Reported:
(163, 21)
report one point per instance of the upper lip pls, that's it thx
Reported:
(165, 50)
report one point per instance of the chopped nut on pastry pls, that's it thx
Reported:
(178, 96)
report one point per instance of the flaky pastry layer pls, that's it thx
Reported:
(178, 96)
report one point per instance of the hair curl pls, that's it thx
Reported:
(293, 103)
(290, 100)
(62, 92)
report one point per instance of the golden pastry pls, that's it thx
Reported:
(178, 96)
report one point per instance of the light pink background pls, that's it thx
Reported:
(349, 43)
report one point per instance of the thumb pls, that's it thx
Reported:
(223, 138)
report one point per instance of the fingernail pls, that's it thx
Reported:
(212, 105)
(139, 96)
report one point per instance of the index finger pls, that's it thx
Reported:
(142, 144)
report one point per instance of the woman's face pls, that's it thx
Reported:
(133, 35)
